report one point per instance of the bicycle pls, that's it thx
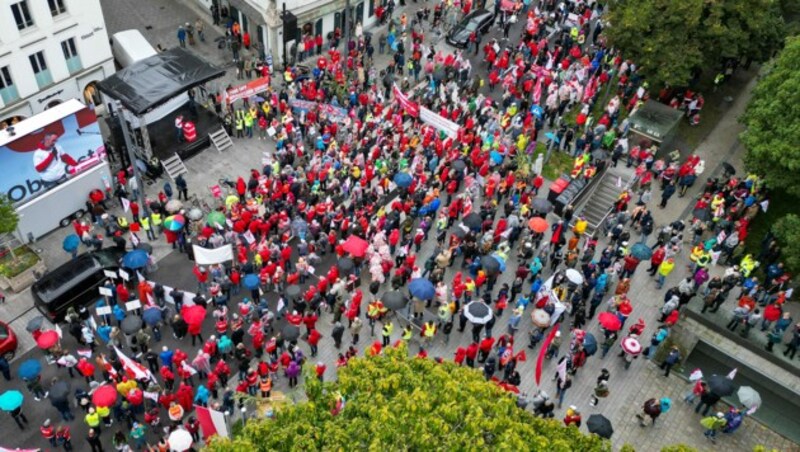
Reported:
(199, 203)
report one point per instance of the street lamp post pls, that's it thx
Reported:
(131, 156)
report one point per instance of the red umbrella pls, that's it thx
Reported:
(356, 246)
(543, 351)
(193, 315)
(538, 224)
(47, 339)
(772, 312)
(625, 308)
(105, 395)
(609, 321)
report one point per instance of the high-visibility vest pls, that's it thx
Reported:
(407, 333)
(145, 223)
(122, 222)
(156, 217)
(387, 329)
(265, 385)
(92, 419)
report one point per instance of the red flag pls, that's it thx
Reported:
(521, 356)
(212, 422)
(543, 351)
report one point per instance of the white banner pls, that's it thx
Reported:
(440, 122)
(205, 256)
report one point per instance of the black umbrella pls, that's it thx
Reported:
(721, 386)
(293, 292)
(702, 214)
(460, 231)
(59, 391)
(490, 264)
(290, 332)
(473, 221)
(131, 324)
(542, 205)
(394, 300)
(728, 168)
(345, 265)
(459, 165)
(35, 324)
(600, 425)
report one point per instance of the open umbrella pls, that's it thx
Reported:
(538, 224)
(394, 300)
(749, 397)
(71, 243)
(47, 339)
(173, 205)
(151, 316)
(574, 276)
(641, 251)
(193, 315)
(421, 288)
(702, 214)
(600, 425)
(29, 369)
(458, 165)
(403, 180)
(590, 344)
(292, 292)
(552, 136)
(11, 400)
(195, 214)
(34, 324)
(490, 264)
(473, 221)
(132, 324)
(105, 395)
(59, 391)
(625, 308)
(180, 440)
(721, 385)
(356, 246)
(251, 281)
(345, 265)
(215, 219)
(540, 318)
(631, 346)
(478, 312)
(290, 332)
(728, 168)
(135, 259)
(541, 205)
(461, 230)
(609, 321)
(174, 223)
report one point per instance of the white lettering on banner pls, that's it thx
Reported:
(188, 297)
(249, 89)
(440, 122)
(205, 256)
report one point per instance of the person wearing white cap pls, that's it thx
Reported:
(713, 424)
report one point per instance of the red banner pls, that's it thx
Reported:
(249, 89)
(543, 351)
(410, 107)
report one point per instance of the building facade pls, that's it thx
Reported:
(50, 51)
(262, 19)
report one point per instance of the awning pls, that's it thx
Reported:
(153, 81)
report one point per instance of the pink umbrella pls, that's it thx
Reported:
(631, 346)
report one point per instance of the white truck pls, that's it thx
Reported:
(50, 163)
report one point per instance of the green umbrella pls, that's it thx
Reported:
(215, 219)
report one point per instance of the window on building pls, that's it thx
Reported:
(71, 55)
(371, 8)
(22, 15)
(8, 92)
(57, 7)
(40, 70)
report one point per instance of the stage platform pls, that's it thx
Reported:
(163, 139)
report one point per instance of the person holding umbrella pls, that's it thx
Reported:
(713, 424)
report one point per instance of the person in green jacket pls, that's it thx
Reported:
(713, 424)
(248, 124)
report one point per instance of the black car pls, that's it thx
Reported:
(480, 19)
(74, 283)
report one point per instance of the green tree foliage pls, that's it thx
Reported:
(787, 231)
(8, 216)
(394, 402)
(668, 39)
(772, 122)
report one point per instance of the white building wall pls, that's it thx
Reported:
(83, 22)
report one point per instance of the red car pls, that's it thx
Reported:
(8, 341)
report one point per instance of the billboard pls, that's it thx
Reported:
(48, 149)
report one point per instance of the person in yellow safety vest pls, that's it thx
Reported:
(239, 124)
(408, 333)
(144, 222)
(747, 265)
(717, 201)
(288, 76)
(388, 328)
(265, 385)
(428, 331)
(697, 251)
(664, 269)
(155, 217)
(589, 172)
(92, 419)
(580, 226)
(105, 414)
(248, 124)
(703, 259)
(122, 222)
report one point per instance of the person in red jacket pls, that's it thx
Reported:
(48, 432)
(461, 354)
(313, 341)
(320, 370)
(223, 371)
(168, 376)
(472, 353)
(86, 369)
(485, 347)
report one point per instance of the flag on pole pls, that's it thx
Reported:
(561, 369)
(212, 422)
(84, 352)
(59, 332)
(732, 375)
(132, 368)
(126, 204)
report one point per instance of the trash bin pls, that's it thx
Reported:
(557, 188)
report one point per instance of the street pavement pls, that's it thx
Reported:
(628, 388)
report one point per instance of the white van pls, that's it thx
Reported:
(130, 46)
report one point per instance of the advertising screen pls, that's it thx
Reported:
(48, 149)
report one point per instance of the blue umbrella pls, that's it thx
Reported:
(497, 158)
(501, 261)
(552, 136)
(421, 288)
(151, 316)
(135, 259)
(71, 243)
(590, 344)
(29, 369)
(403, 180)
(251, 281)
(641, 251)
(11, 400)
(537, 111)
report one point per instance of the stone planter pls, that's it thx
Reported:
(23, 280)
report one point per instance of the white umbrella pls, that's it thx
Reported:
(478, 313)
(180, 440)
(749, 397)
(631, 346)
(540, 318)
(574, 276)
(173, 205)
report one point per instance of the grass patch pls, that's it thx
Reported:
(780, 204)
(23, 258)
(559, 163)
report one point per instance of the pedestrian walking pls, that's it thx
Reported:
(713, 424)
(674, 357)
(182, 36)
(93, 438)
(601, 389)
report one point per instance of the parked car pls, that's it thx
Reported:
(8, 341)
(74, 283)
(480, 19)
